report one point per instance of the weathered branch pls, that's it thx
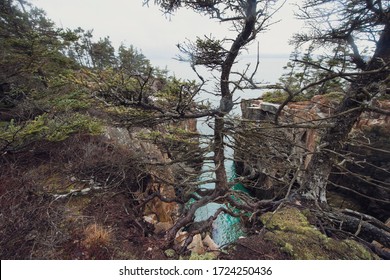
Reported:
(367, 229)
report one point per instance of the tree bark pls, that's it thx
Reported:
(226, 103)
(346, 115)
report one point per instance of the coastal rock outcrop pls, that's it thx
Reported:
(358, 180)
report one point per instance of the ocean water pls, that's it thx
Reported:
(226, 229)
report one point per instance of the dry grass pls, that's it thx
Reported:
(97, 241)
(96, 235)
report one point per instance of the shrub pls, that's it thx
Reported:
(335, 96)
(62, 128)
(279, 96)
(15, 136)
(73, 101)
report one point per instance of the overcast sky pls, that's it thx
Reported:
(129, 22)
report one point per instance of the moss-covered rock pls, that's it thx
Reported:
(170, 253)
(205, 256)
(290, 230)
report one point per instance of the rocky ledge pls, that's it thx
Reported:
(352, 184)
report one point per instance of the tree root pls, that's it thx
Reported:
(362, 227)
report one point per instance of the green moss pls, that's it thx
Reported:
(287, 219)
(3, 124)
(53, 182)
(196, 256)
(274, 97)
(138, 115)
(205, 256)
(357, 247)
(290, 230)
(288, 248)
(125, 255)
(170, 253)
(279, 97)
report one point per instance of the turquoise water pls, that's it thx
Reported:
(226, 228)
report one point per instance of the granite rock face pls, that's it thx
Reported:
(276, 154)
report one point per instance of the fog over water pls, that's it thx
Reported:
(156, 35)
(269, 71)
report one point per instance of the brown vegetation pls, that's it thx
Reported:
(46, 215)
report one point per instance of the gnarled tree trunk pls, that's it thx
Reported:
(361, 90)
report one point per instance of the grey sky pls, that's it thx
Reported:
(128, 22)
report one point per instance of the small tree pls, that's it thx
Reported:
(247, 18)
(30, 45)
(31, 54)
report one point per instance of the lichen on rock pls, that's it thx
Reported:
(290, 230)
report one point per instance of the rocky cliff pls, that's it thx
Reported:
(360, 179)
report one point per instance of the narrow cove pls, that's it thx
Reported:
(226, 228)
